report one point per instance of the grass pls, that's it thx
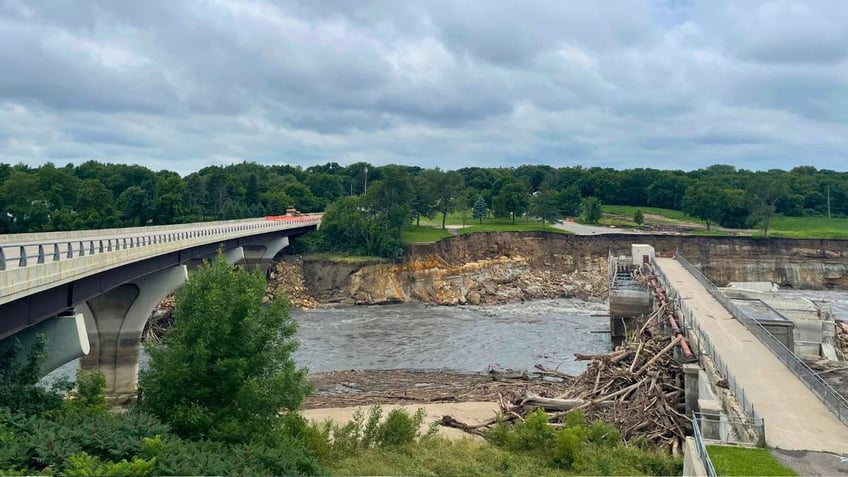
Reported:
(506, 225)
(438, 456)
(629, 210)
(340, 257)
(453, 218)
(424, 233)
(729, 460)
(808, 227)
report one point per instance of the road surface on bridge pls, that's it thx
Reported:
(795, 419)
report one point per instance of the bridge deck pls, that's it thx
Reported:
(794, 417)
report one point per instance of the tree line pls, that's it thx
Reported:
(375, 201)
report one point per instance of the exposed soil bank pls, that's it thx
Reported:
(500, 267)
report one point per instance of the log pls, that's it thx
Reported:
(636, 359)
(553, 404)
(659, 355)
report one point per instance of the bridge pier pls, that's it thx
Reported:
(115, 321)
(262, 254)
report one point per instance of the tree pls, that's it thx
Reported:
(591, 210)
(226, 370)
(446, 188)
(639, 217)
(424, 200)
(766, 192)
(480, 209)
(706, 202)
(545, 205)
(512, 199)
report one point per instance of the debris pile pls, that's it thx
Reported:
(286, 276)
(638, 387)
(842, 339)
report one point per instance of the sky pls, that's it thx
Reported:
(184, 84)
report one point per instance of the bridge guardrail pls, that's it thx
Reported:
(831, 398)
(701, 448)
(705, 345)
(33, 252)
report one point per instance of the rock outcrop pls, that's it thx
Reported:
(501, 267)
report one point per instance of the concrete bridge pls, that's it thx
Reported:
(91, 292)
(799, 409)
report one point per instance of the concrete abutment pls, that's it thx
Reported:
(115, 321)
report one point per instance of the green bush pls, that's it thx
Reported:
(83, 465)
(74, 443)
(20, 390)
(400, 428)
(89, 395)
(332, 441)
(226, 369)
(594, 449)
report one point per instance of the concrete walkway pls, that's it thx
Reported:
(794, 417)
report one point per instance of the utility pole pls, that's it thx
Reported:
(366, 179)
(828, 202)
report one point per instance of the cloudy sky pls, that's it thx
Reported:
(182, 84)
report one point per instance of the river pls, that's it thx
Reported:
(461, 338)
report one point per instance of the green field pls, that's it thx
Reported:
(745, 461)
(807, 227)
(424, 233)
(454, 218)
(628, 211)
(506, 225)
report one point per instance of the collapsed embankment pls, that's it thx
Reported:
(500, 267)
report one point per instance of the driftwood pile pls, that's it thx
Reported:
(842, 338)
(638, 387)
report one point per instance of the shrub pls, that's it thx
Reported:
(638, 217)
(226, 369)
(90, 393)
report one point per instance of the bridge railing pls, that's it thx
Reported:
(23, 250)
(705, 345)
(832, 399)
(701, 448)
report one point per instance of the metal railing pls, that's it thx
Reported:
(24, 250)
(831, 398)
(705, 345)
(701, 448)
(751, 420)
(729, 429)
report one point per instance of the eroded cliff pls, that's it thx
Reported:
(511, 266)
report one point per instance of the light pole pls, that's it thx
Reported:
(366, 180)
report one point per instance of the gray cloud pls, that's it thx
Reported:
(184, 84)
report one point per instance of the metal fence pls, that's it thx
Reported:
(834, 401)
(701, 448)
(729, 429)
(692, 329)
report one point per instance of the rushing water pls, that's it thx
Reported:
(464, 338)
(467, 338)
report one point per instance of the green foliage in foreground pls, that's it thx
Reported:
(86, 442)
(19, 387)
(226, 370)
(744, 461)
(533, 447)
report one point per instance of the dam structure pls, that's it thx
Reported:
(799, 409)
